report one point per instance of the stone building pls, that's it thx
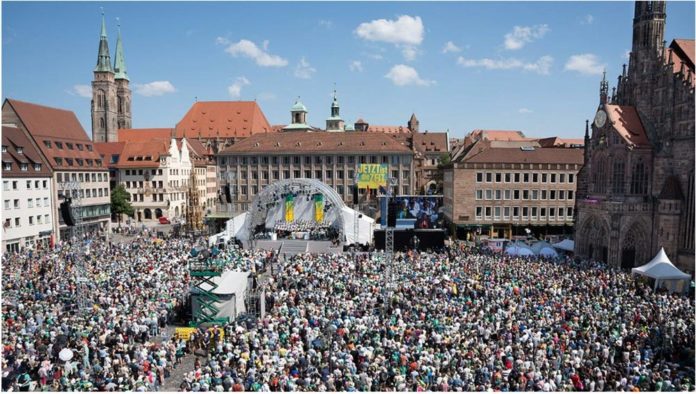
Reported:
(500, 183)
(636, 189)
(111, 95)
(27, 193)
(77, 169)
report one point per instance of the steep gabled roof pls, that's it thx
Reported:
(14, 138)
(627, 123)
(228, 119)
(140, 155)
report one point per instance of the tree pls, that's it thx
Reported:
(120, 202)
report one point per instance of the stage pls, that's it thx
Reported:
(427, 239)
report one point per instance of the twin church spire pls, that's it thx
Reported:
(111, 96)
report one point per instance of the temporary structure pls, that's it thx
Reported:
(519, 249)
(664, 272)
(543, 248)
(567, 245)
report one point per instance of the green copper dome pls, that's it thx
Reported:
(298, 107)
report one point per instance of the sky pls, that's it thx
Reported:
(459, 66)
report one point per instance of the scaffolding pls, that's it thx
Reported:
(73, 191)
(202, 273)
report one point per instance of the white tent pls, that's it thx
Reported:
(519, 249)
(543, 248)
(664, 272)
(230, 290)
(567, 245)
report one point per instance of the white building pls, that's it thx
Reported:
(27, 191)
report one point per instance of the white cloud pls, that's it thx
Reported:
(403, 75)
(304, 70)
(326, 23)
(525, 111)
(248, 49)
(356, 65)
(235, 90)
(450, 47)
(409, 53)
(587, 20)
(221, 41)
(541, 66)
(627, 54)
(81, 90)
(586, 63)
(522, 35)
(406, 30)
(156, 88)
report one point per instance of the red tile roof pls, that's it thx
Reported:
(551, 142)
(626, 122)
(108, 149)
(387, 129)
(139, 155)
(430, 142)
(13, 138)
(683, 54)
(143, 135)
(291, 143)
(498, 135)
(482, 152)
(228, 119)
(52, 125)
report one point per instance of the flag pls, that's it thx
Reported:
(290, 208)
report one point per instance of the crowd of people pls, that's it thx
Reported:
(453, 320)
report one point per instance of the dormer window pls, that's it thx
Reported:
(7, 166)
(4, 148)
(19, 150)
(89, 148)
(69, 145)
(58, 160)
(37, 167)
(80, 162)
(59, 145)
(47, 143)
(24, 167)
(69, 161)
(79, 147)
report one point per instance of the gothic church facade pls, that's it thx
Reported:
(636, 189)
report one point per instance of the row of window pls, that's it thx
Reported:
(82, 177)
(68, 145)
(140, 172)
(524, 177)
(534, 213)
(329, 160)
(86, 193)
(30, 203)
(80, 162)
(40, 219)
(15, 185)
(7, 166)
(340, 174)
(517, 194)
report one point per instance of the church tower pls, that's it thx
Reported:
(334, 122)
(123, 92)
(646, 52)
(413, 124)
(104, 94)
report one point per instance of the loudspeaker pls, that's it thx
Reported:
(228, 196)
(355, 194)
(393, 211)
(66, 213)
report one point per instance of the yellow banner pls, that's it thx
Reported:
(185, 332)
(372, 175)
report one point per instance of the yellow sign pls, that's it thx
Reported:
(372, 176)
(185, 332)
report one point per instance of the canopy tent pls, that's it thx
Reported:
(543, 248)
(664, 272)
(519, 249)
(567, 244)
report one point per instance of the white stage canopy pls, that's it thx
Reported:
(664, 272)
(230, 290)
(543, 248)
(519, 249)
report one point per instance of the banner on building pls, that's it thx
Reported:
(319, 208)
(372, 176)
(289, 208)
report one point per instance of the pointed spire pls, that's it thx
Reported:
(603, 88)
(103, 57)
(120, 60)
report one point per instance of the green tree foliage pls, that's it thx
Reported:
(120, 202)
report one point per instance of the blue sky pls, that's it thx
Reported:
(530, 66)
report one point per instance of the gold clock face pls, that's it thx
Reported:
(600, 118)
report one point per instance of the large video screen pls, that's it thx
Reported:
(419, 212)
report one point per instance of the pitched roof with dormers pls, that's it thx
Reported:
(294, 143)
(224, 119)
(58, 134)
(484, 151)
(19, 150)
(139, 155)
(387, 129)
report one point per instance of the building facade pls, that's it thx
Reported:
(111, 95)
(501, 188)
(636, 190)
(333, 158)
(78, 170)
(27, 193)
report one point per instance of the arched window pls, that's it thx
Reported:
(639, 179)
(599, 176)
(101, 123)
(120, 104)
(101, 99)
